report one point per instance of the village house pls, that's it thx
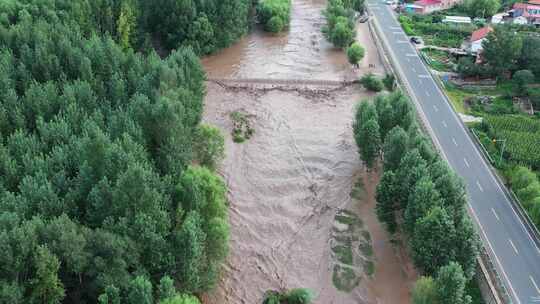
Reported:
(498, 18)
(477, 38)
(430, 6)
(530, 12)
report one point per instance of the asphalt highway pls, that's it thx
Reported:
(511, 246)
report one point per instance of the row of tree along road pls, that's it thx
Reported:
(419, 197)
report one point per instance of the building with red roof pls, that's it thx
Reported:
(429, 6)
(530, 11)
(478, 37)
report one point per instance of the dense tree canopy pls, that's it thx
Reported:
(340, 27)
(530, 57)
(424, 291)
(98, 196)
(205, 25)
(421, 196)
(274, 14)
(367, 133)
(482, 8)
(502, 49)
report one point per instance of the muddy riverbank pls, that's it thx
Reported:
(293, 219)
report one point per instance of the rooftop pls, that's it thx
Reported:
(526, 7)
(427, 2)
(457, 19)
(480, 33)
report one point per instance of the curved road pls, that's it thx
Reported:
(511, 246)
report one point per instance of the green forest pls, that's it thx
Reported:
(204, 25)
(107, 188)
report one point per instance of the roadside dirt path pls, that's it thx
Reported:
(394, 272)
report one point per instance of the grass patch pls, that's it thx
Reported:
(457, 97)
(439, 60)
(344, 253)
(242, 130)
(366, 249)
(344, 278)
(369, 267)
(343, 219)
(341, 238)
(358, 191)
(348, 218)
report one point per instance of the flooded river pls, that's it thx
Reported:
(291, 182)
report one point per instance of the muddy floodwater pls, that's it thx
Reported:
(301, 203)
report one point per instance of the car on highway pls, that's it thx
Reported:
(416, 40)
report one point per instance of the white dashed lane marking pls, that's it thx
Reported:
(479, 186)
(534, 284)
(495, 214)
(513, 246)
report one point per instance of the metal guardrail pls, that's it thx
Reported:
(514, 199)
(509, 193)
(483, 149)
(505, 294)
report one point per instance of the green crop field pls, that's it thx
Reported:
(522, 135)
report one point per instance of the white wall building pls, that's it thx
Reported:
(497, 18)
(520, 20)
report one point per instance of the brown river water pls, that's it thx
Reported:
(288, 182)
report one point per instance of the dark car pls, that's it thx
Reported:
(416, 40)
(363, 18)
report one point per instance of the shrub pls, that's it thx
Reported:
(274, 25)
(342, 34)
(522, 79)
(274, 14)
(466, 67)
(389, 82)
(293, 296)
(181, 299)
(242, 129)
(299, 296)
(209, 146)
(339, 28)
(371, 82)
(355, 53)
